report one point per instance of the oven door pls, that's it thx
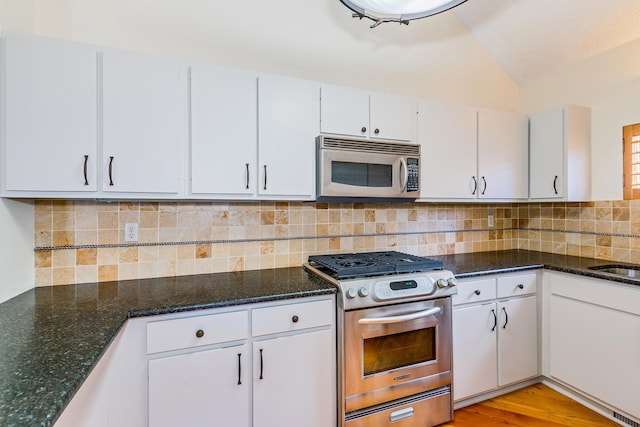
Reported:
(396, 351)
(361, 174)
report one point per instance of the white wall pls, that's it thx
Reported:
(434, 58)
(16, 248)
(16, 217)
(609, 83)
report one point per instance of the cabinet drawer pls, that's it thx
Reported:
(517, 285)
(174, 334)
(474, 291)
(291, 317)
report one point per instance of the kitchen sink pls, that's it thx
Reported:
(629, 271)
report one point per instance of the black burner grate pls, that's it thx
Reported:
(344, 266)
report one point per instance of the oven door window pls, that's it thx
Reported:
(387, 352)
(362, 174)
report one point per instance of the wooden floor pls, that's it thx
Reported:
(535, 406)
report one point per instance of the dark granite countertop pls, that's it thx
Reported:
(483, 263)
(51, 337)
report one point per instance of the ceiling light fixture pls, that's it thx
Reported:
(401, 11)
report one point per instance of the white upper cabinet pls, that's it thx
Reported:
(224, 132)
(356, 112)
(560, 152)
(449, 151)
(50, 119)
(503, 155)
(469, 154)
(288, 111)
(144, 117)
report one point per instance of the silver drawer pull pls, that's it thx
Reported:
(401, 318)
(401, 414)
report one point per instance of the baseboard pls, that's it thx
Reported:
(495, 393)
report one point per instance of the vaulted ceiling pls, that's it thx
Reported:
(530, 38)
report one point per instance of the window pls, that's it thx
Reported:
(631, 161)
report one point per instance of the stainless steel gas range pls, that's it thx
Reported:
(394, 337)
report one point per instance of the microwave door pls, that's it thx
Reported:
(358, 174)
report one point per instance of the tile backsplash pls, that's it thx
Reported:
(83, 241)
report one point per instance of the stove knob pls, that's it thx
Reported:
(452, 282)
(442, 283)
(363, 292)
(351, 293)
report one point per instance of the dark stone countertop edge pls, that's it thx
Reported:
(228, 303)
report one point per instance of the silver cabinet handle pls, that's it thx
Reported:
(401, 318)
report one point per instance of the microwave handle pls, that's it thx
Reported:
(401, 318)
(405, 175)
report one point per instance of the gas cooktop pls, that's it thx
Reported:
(366, 264)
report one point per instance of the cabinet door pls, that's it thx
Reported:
(597, 350)
(547, 160)
(144, 117)
(474, 350)
(197, 388)
(344, 111)
(224, 131)
(295, 381)
(50, 122)
(392, 117)
(517, 340)
(288, 111)
(503, 155)
(447, 135)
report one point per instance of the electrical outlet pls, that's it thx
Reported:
(489, 220)
(131, 232)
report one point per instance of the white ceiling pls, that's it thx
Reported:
(530, 38)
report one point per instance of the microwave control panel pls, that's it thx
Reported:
(413, 174)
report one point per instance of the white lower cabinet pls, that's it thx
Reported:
(264, 365)
(495, 333)
(195, 388)
(593, 343)
(292, 379)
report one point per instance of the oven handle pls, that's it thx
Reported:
(401, 318)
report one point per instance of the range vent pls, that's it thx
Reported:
(625, 420)
(369, 146)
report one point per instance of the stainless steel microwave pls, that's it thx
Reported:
(362, 168)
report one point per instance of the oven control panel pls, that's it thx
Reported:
(402, 288)
(369, 292)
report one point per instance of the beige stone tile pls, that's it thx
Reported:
(63, 205)
(203, 251)
(87, 237)
(42, 259)
(128, 271)
(64, 275)
(185, 267)
(107, 220)
(127, 255)
(147, 270)
(236, 263)
(43, 277)
(185, 252)
(149, 219)
(148, 254)
(203, 265)
(167, 219)
(86, 274)
(63, 258)
(108, 237)
(87, 220)
(107, 273)
(108, 256)
(167, 268)
(87, 257)
(236, 249)
(64, 238)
